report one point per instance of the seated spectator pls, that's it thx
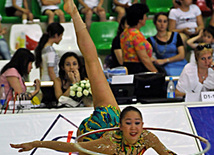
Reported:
(89, 7)
(15, 8)
(4, 49)
(51, 8)
(204, 36)
(199, 76)
(137, 51)
(115, 59)
(47, 60)
(120, 7)
(185, 19)
(167, 47)
(13, 73)
(71, 71)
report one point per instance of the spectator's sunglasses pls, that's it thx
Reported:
(201, 47)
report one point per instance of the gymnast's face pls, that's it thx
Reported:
(131, 126)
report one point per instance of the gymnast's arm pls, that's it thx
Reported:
(54, 145)
(101, 145)
(156, 144)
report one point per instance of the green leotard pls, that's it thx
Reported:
(102, 117)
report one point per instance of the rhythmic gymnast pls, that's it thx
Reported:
(130, 139)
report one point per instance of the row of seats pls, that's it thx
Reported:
(34, 32)
(102, 34)
(154, 5)
(36, 10)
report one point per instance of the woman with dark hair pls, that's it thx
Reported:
(116, 56)
(186, 19)
(13, 72)
(167, 47)
(137, 51)
(71, 71)
(131, 139)
(47, 59)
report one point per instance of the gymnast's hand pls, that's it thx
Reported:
(23, 147)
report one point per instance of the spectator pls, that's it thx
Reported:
(4, 49)
(167, 47)
(15, 8)
(51, 8)
(137, 51)
(185, 19)
(204, 36)
(12, 74)
(120, 7)
(115, 59)
(88, 7)
(199, 76)
(47, 59)
(71, 71)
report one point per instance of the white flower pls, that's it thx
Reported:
(75, 86)
(72, 88)
(79, 94)
(87, 85)
(90, 90)
(72, 93)
(83, 81)
(85, 92)
(82, 85)
(79, 89)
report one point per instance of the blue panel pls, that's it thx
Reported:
(203, 118)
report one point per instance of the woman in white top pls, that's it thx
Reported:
(15, 8)
(51, 8)
(120, 7)
(199, 76)
(185, 19)
(47, 59)
(88, 7)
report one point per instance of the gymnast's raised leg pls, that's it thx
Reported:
(104, 102)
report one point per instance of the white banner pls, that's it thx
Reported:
(55, 124)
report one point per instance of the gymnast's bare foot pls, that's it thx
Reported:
(69, 7)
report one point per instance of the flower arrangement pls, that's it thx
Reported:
(80, 90)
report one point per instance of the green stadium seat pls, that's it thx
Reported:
(102, 34)
(148, 29)
(156, 6)
(207, 21)
(36, 10)
(7, 19)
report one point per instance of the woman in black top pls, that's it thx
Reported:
(116, 57)
(71, 71)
